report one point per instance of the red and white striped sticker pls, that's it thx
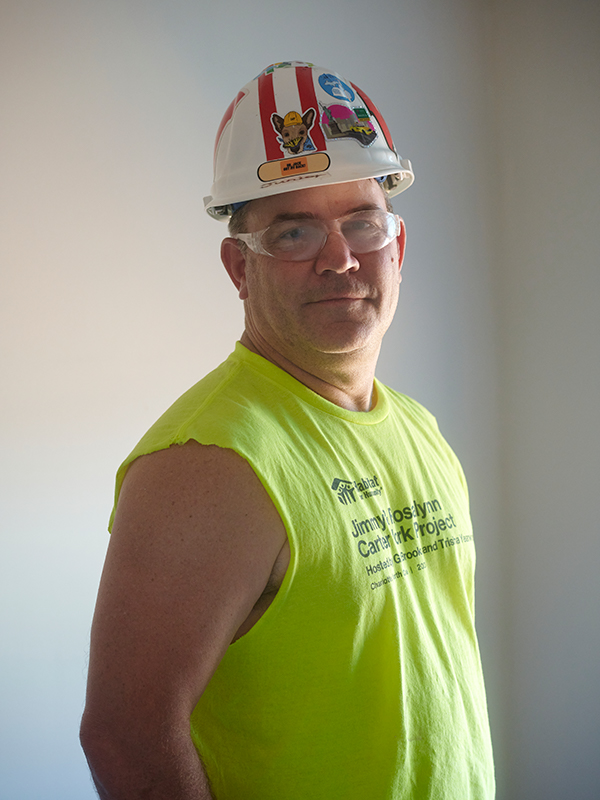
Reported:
(307, 99)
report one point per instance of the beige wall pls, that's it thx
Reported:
(547, 124)
(113, 302)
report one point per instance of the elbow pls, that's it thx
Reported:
(127, 755)
(103, 753)
(90, 737)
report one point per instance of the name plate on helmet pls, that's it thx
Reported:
(307, 163)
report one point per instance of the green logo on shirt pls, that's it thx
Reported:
(351, 491)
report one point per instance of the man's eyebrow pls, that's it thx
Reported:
(297, 215)
(285, 217)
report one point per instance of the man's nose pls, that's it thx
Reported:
(336, 256)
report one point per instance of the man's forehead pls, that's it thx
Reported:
(316, 200)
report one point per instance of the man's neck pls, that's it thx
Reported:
(345, 379)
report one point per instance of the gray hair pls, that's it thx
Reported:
(239, 219)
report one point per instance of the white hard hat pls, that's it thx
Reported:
(297, 125)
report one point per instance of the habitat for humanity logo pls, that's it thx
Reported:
(351, 491)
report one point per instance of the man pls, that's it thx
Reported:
(286, 609)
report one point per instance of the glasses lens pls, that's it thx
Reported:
(302, 239)
(295, 239)
(367, 231)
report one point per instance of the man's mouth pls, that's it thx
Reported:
(340, 293)
(337, 299)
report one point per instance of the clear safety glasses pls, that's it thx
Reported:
(303, 239)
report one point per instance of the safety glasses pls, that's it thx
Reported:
(303, 239)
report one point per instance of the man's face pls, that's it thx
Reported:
(338, 302)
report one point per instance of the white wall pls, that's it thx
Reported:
(547, 81)
(113, 302)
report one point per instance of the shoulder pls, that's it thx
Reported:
(234, 402)
(424, 426)
(205, 413)
(408, 407)
(171, 426)
(187, 477)
(196, 517)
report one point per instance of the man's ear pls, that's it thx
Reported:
(234, 261)
(401, 240)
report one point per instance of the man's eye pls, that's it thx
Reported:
(359, 226)
(291, 235)
(285, 237)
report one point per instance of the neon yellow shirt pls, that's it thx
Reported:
(363, 678)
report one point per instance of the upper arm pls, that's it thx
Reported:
(193, 545)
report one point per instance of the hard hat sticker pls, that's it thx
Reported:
(341, 122)
(286, 167)
(335, 87)
(293, 131)
(228, 115)
(372, 108)
(282, 65)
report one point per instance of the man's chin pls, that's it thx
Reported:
(341, 338)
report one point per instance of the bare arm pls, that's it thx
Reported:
(194, 542)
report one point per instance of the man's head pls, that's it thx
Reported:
(301, 143)
(337, 301)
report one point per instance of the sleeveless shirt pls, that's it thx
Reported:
(363, 678)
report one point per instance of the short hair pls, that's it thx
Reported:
(239, 219)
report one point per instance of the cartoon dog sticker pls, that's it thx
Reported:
(293, 131)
